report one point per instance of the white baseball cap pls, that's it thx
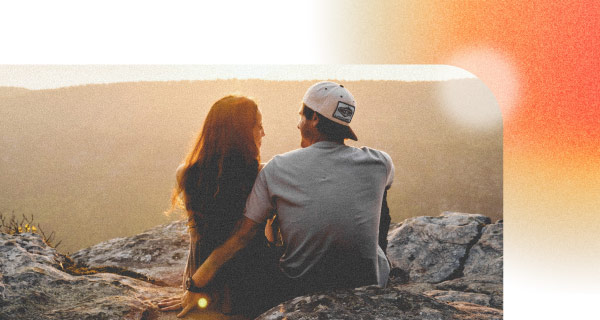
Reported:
(332, 101)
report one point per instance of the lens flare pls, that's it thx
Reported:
(469, 103)
(494, 68)
(202, 303)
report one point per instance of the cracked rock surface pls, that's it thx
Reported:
(453, 257)
(434, 249)
(159, 253)
(34, 286)
(375, 303)
(485, 257)
(490, 286)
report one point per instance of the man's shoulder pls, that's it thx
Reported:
(375, 153)
(384, 158)
(284, 159)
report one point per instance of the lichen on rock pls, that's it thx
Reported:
(159, 253)
(434, 249)
(35, 287)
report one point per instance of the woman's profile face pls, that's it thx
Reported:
(258, 130)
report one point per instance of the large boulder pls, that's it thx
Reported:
(434, 249)
(455, 257)
(159, 253)
(486, 256)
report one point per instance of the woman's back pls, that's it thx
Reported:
(213, 221)
(214, 182)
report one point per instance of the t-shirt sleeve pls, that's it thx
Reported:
(258, 204)
(390, 169)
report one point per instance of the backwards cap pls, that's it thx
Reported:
(332, 101)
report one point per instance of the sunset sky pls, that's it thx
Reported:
(540, 59)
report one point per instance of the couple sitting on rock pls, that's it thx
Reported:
(326, 202)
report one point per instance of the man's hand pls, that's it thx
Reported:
(189, 300)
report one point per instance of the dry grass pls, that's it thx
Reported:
(14, 225)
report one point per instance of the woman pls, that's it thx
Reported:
(215, 180)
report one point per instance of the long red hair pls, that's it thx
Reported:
(219, 171)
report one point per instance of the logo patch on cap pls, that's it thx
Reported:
(344, 112)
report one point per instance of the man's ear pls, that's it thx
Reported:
(315, 118)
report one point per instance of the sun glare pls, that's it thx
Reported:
(496, 70)
(470, 104)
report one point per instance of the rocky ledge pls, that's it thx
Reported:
(159, 253)
(445, 267)
(36, 282)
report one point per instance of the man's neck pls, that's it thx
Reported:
(322, 138)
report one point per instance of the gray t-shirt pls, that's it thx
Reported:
(328, 197)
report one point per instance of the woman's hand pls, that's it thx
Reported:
(272, 232)
(269, 233)
(170, 304)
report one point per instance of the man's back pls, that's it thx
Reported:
(328, 197)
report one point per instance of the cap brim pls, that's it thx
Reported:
(351, 135)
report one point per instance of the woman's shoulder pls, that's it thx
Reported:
(261, 166)
(179, 172)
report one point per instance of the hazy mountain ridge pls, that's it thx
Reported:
(12, 91)
(99, 160)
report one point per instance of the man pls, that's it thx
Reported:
(328, 197)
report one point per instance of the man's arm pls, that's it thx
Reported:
(384, 223)
(245, 229)
(244, 232)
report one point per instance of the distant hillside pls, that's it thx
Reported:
(97, 162)
(12, 91)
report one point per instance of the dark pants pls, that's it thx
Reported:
(335, 272)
